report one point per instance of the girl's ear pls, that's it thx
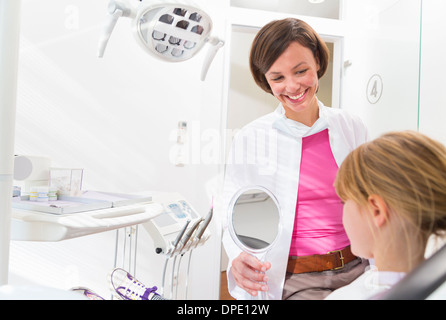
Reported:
(379, 209)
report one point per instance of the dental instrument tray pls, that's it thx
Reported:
(87, 201)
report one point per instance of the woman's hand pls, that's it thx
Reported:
(249, 273)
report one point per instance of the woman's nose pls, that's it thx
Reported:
(292, 85)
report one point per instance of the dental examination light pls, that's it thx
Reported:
(172, 31)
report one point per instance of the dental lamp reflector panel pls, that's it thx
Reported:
(175, 34)
(172, 31)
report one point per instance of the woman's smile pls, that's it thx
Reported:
(297, 98)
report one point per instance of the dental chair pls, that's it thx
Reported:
(422, 281)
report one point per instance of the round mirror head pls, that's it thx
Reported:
(254, 219)
(173, 33)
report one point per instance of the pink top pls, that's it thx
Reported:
(318, 226)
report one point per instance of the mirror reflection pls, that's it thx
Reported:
(255, 219)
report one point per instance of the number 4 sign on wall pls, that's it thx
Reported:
(374, 89)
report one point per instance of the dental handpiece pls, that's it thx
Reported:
(189, 234)
(179, 236)
(204, 224)
(174, 247)
(184, 241)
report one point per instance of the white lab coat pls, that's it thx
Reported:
(267, 152)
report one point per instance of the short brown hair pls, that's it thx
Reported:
(275, 37)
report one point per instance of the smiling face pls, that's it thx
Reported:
(294, 81)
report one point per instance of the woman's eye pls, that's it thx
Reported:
(277, 78)
(301, 71)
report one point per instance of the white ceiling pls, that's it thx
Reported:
(326, 9)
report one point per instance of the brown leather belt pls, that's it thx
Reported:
(333, 260)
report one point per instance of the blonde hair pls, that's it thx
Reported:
(407, 170)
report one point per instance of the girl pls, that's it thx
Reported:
(394, 193)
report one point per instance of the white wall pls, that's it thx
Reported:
(115, 117)
(246, 100)
(382, 37)
(433, 67)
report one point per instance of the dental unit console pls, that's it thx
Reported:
(179, 228)
(172, 31)
(174, 225)
(177, 231)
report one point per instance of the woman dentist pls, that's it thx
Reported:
(295, 153)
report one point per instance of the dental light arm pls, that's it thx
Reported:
(173, 30)
(108, 28)
(116, 9)
(216, 44)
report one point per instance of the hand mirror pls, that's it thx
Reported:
(254, 221)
